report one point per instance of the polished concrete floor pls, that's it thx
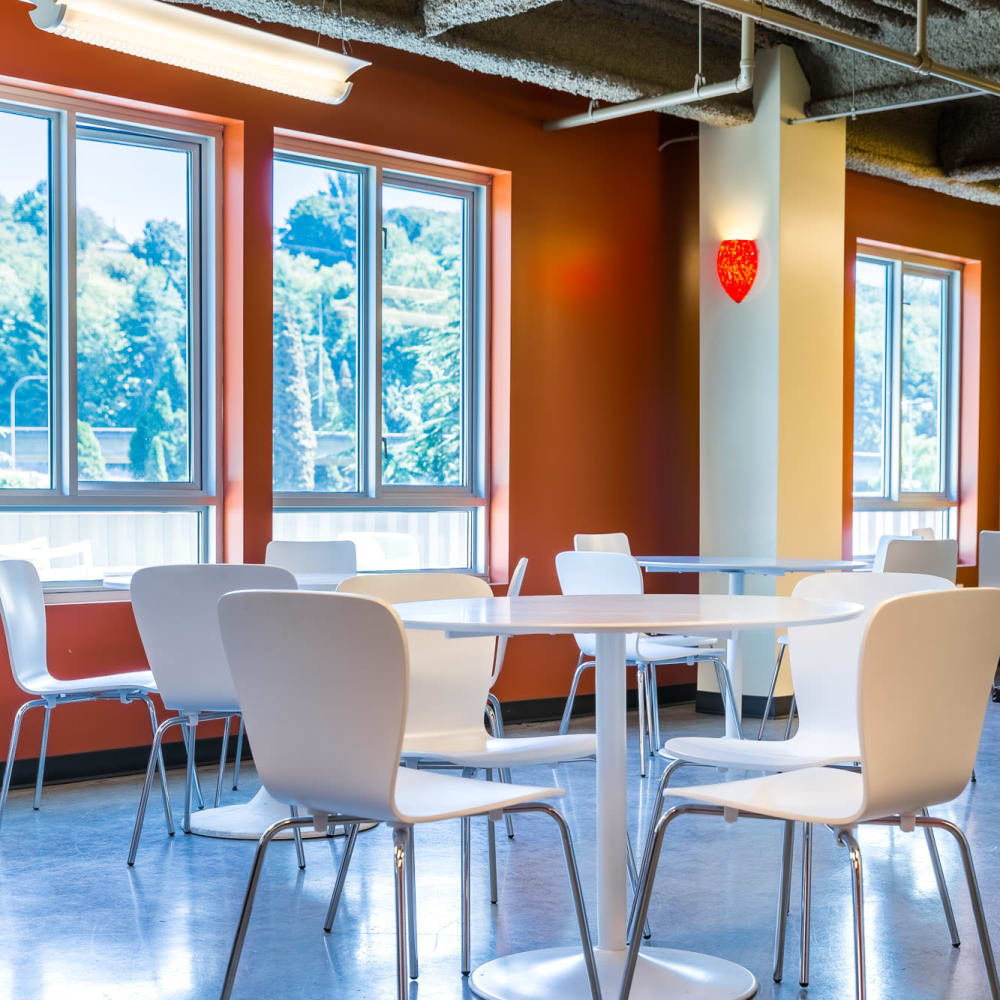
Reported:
(77, 924)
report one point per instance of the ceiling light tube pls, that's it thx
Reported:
(170, 34)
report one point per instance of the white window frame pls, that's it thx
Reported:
(69, 117)
(892, 497)
(472, 494)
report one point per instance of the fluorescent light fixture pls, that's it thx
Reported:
(185, 38)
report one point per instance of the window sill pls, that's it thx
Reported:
(95, 595)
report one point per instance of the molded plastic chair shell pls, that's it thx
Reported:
(22, 609)
(313, 557)
(448, 692)
(513, 590)
(938, 557)
(176, 611)
(328, 728)
(989, 558)
(612, 541)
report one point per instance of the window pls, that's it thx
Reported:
(379, 361)
(906, 333)
(105, 422)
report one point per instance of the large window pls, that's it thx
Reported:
(379, 429)
(105, 421)
(905, 397)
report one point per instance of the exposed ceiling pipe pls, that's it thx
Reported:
(699, 92)
(918, 60)
(853, 112)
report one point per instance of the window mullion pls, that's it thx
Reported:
(896, 385)
(373, 338)
(68, 354)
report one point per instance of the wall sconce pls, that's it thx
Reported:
(169, 34)
(736, 265)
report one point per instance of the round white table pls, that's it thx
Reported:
(248, 820)
(737, 568)
(662, 973)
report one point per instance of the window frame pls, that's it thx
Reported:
(892, 497)
(376, 170)
(202, 141)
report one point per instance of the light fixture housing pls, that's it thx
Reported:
(736, 265)
(170, 34)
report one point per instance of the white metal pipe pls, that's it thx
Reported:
(743, 81)
(763, 14)
(852, 112)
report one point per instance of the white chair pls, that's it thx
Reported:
(619, 573)
(313, 557)
(896, 554)
(938, 557)
(903, 706)
(989, 558)
(449, 683)
(175, 609)
(926, 533)
(328, 732)
(22, 611)
(617, 541)
(825, 663)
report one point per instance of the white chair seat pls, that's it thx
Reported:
(492, 752)
(136, 680)
(423, 796)
(811, 750)
(811, 795)
(652, 648)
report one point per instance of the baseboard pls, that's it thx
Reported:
(115, 763)
(551, 709)
(710, 703)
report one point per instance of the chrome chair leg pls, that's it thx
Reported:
(165, 793)
(728, 698)
(653, 691)
(784, 899)
(338, 888)
(791, 718)
(640, 692)
(40, 777)
(411, 908)
(466, 901)
(949, 913)
(251, 891)
(12, 750)
(495, 719)
(491, 834)
(846, 839)
(807, 845)
(633, 877)
(574, 883)
(771, 690)
(239, 756)
(222, 763)
(400, 850)
(190, 728)
(293, 812)
(581, 665)
(154, 756)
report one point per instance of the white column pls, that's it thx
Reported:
(771, 371)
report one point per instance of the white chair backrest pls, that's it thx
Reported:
(313, 557)
(22, 610)
(513, 590)
(927, 664)
(449, 678)
(989, 558)
(825, 658)
(917, 555)
(925, 533)
(175, 609)
(597, 573)
(612, 541)
(322, 682)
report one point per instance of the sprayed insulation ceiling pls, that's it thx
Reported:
(616, 50)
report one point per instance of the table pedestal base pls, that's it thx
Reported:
(249, 820)
(661, 974)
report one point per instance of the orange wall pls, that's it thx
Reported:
(603, 420)
(889, 212)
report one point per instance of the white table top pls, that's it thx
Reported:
(699, 614)
(745, 564)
